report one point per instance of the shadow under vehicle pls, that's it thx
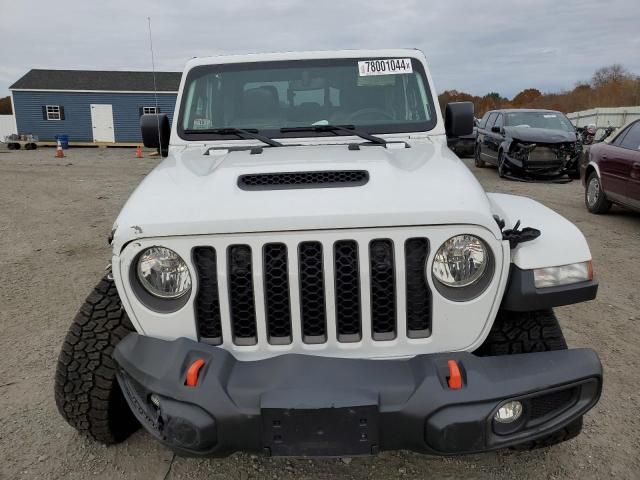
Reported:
(528, 144)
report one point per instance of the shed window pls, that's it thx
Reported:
(150, 110)
(53, 112)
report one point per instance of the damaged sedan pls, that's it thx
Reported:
(528, 144)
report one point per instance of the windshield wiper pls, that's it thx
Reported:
(240, 132)
(336, 128)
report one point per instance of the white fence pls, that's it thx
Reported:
(605, 117)
(7, 125)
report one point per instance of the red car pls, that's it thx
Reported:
(612, 172)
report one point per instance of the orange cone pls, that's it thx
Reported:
(139, 152)
(59, 151)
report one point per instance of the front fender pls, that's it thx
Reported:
(560, 242)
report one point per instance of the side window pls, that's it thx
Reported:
(52, 112)
(483, 120)
(631, 139)
(499, 121)
(491, 120)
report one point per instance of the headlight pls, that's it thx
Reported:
(460, 261)
(563, 275)
(462, 268)
(163, 273)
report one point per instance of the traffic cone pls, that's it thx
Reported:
(59, 151)
(139, 152)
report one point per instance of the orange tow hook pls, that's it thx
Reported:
(455, 379)
(192, 373)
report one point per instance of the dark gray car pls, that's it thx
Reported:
(528, 143)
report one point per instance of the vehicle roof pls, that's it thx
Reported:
(307, 55)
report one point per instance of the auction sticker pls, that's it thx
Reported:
(385, 66)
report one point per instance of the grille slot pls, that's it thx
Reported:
(207, 305)
(543, 405)
(276, 290)
(241, 298)
(416, 251)
(383, 290)
(291, 180)
(312, 297)
(347, 285)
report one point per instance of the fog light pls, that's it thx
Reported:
(509, 412)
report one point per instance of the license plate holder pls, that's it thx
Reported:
(348, 431)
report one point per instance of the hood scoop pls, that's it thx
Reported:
(294, 180)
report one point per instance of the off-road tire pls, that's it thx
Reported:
(526, 332)
(478, 162)
(602, 204)
(86, 389)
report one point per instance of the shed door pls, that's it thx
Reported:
(102, 123)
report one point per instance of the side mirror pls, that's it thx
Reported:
(458, 119)
(156, 131)
(496, 129)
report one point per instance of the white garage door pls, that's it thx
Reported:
(102, 123)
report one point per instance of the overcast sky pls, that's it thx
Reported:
(476, 46)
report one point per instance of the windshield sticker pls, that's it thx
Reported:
(550, 116)
(377, 81)
(387, 66)
(201, 123)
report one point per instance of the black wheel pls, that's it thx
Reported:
(502, 168)
(476, 157)
(526, 332)
(594, 197)
(86, 389)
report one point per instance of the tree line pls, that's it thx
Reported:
(612, 86)
(5, 106)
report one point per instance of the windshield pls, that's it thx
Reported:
(375, 96)
(550, 120)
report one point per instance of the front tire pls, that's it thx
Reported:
(476, 157)
(86, 389)
(594, 196)
(502, 168)
(526, 332)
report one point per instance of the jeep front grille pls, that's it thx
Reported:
(294, 281)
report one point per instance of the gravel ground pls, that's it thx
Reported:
(55, 215)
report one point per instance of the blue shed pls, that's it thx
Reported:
(90, 106)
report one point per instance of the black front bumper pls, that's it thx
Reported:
(541, 170)
(299, 405)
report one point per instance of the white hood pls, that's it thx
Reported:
(193, 193)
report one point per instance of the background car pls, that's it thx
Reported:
(612, 171)
(528, 143)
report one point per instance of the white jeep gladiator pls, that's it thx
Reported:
(312, 272)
